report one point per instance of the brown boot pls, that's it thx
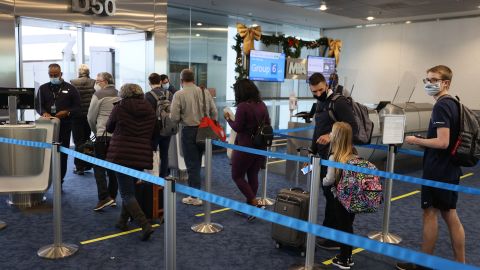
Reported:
(136, 212)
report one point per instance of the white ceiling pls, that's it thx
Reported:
(341, 13)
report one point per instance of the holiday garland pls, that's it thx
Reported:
(291, 46)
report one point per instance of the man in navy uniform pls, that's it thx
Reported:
(59, 99)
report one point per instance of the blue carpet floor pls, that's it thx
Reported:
(241, 245)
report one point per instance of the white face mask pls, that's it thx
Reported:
(97, 87)
(432, 89)
(165, 85)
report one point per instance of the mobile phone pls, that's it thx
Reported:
(419, 136)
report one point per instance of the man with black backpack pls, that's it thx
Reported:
(343, 112)
(439, 165)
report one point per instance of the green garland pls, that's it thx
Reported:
(291, 46)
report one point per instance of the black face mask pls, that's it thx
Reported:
(322, 97)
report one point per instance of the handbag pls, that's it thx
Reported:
(209, 128)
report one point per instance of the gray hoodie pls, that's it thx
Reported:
(100, 109)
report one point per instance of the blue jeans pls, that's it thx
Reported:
(192, 154)
(126, 185)
(163, 143)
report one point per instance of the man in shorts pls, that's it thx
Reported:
(442, 133)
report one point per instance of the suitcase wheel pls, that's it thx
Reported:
(302, 253)
(277, 245)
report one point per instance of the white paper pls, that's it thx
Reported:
(307, 169)
(230, 113)
(393, 129)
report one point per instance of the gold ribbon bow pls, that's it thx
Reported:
(249, 35)
(334, 48)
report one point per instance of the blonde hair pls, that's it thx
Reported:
(341, 144)
(83, 70)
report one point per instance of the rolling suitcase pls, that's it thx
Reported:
(294, 203)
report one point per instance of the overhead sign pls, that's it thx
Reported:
(98, 7)
(296, 69)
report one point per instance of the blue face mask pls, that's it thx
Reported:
(432, 89)
(55, 81)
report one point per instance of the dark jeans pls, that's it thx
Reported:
(104, 190)
(64, 138)
(144, 196)
(246, 164)
(330, 218)
(163, 143)
(344, 223)
(126, 186)
(192, 154)
(81, 133)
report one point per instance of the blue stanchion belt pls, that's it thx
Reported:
(339, 236)
(291, 136)
(26, 143)
(385, 148)
(294, 129)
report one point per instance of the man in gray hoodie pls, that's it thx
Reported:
(98, 113)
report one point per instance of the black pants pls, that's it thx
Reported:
(64, 138)
(104, 190)
(345, 224)
(144, 196)
(329, 219)
(163, 143)
(81, 133)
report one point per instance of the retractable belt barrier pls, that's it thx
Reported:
(315, 229)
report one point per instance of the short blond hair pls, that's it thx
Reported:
(130, 90)
(444, 71)
(83, 69)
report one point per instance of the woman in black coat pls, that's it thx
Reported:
(132, 123)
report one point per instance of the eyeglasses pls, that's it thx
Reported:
(432, 80)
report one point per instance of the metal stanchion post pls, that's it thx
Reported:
(169, 201)
(297, 167)
(385, 235)
(264, 200)
(312, 218)
(58, 249)
(207, 226)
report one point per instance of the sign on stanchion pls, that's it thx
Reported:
(312, 218)
(264, 200)
(393, 133)
(58, 249)
(207, 226)
(170, 215)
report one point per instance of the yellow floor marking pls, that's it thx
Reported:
(213, 212)
(114, 235)
(277, 161)
(327, 262)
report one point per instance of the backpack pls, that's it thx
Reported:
(363, 133)
(466, 150)
(263, 135)
(359, 192)
(167, 127)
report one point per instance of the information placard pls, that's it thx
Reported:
(393, 128)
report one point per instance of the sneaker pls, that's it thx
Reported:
(192, 201)
(251, 218)
(327, 244)
(114, 204)
(103, 203)
(342, 264)
(78, 171)
(410, 266)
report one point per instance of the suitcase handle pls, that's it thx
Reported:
(298, 189)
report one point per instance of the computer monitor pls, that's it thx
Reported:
(324, 65)
(25, 97)
(266, 66)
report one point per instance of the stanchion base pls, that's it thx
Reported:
(2, 225)
(385, 238)
(57, 251)
(207, 227)
(265, 201)
(302, 267)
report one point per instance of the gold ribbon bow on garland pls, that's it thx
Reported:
(249, 35)
(334, 48)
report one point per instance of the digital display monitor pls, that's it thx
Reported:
(324, 65)
(267, 66)
(25, 97)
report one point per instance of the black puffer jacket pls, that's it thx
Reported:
(84, 85)
(132, 122)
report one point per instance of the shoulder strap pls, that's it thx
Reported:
(157, 98)
(204, 103)
(331, 106)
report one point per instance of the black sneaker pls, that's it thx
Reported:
(103, 203)
(411, 266)
(251, 218)
(342, 264)
(327, 244)
(79, 171)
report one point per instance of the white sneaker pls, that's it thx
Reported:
(192, 201)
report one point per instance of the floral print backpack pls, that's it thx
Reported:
(359, 192)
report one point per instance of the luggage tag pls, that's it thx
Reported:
(307, 169)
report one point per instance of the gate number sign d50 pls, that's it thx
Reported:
(99, 7)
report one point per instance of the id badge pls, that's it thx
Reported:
(53, 109)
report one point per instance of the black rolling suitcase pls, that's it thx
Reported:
(294, 203)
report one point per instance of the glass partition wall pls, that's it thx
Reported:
(202, 41)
